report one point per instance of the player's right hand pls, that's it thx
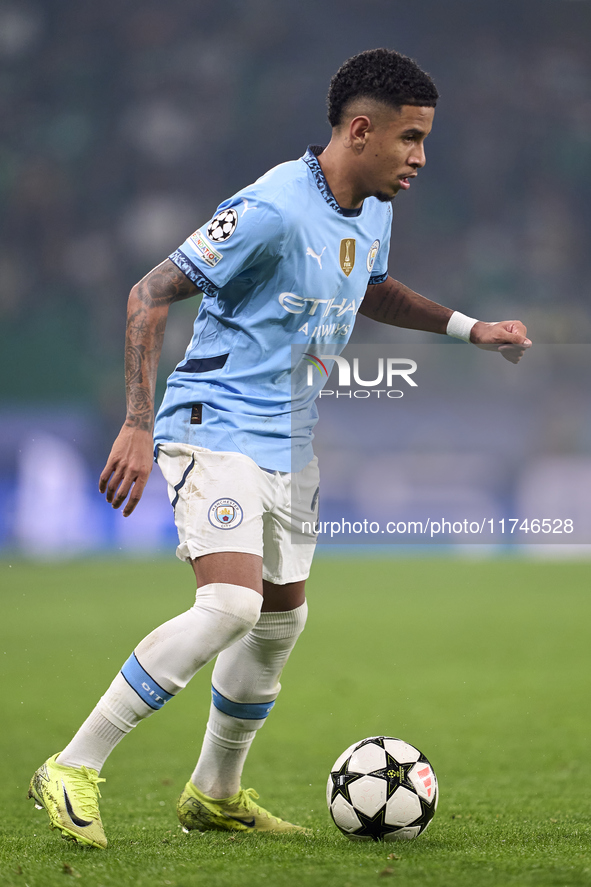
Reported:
(509, 338)
(128, 468)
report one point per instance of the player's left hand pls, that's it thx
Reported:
(509, 337)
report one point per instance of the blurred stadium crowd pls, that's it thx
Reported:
(126, 123)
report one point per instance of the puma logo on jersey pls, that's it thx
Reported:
(246, 206)
(318, 257)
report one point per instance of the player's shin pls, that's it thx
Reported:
(245, 686)
(161, 665)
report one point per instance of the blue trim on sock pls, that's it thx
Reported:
(252, 711)
(144, 685)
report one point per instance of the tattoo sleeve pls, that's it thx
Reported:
(147, 312)
(393, 303)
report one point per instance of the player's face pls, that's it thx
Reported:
(395, 150)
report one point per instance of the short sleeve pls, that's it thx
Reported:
(245, 232)
(379, 272)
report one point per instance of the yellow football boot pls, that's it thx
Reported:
(70, 798)
(236, 814)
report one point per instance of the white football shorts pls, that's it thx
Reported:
(225, 502)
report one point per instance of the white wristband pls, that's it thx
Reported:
(460, 326)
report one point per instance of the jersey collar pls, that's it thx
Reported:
(311, 158)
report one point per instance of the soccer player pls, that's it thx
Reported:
(289, 260)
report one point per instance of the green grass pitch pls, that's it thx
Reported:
(484, 665)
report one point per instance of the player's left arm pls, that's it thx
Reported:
(393, 303)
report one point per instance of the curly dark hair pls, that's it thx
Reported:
(381, 74)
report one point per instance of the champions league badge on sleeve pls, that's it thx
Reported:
(225, 514)
(223, 225)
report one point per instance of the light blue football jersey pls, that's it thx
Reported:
(283, 270)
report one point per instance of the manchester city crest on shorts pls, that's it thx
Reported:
(223, 225)
(225, 514)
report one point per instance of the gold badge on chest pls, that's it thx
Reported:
(347, 255)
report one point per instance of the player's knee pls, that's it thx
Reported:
(283, 627)
(236, 602)
(246, 675)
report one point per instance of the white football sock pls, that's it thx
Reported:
(162, 664)
(245, 685)
(93, 743)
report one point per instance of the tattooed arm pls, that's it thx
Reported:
(393, 303)
(130, 461)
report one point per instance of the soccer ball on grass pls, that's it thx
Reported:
(382, 789)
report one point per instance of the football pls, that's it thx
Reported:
(382, 789)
